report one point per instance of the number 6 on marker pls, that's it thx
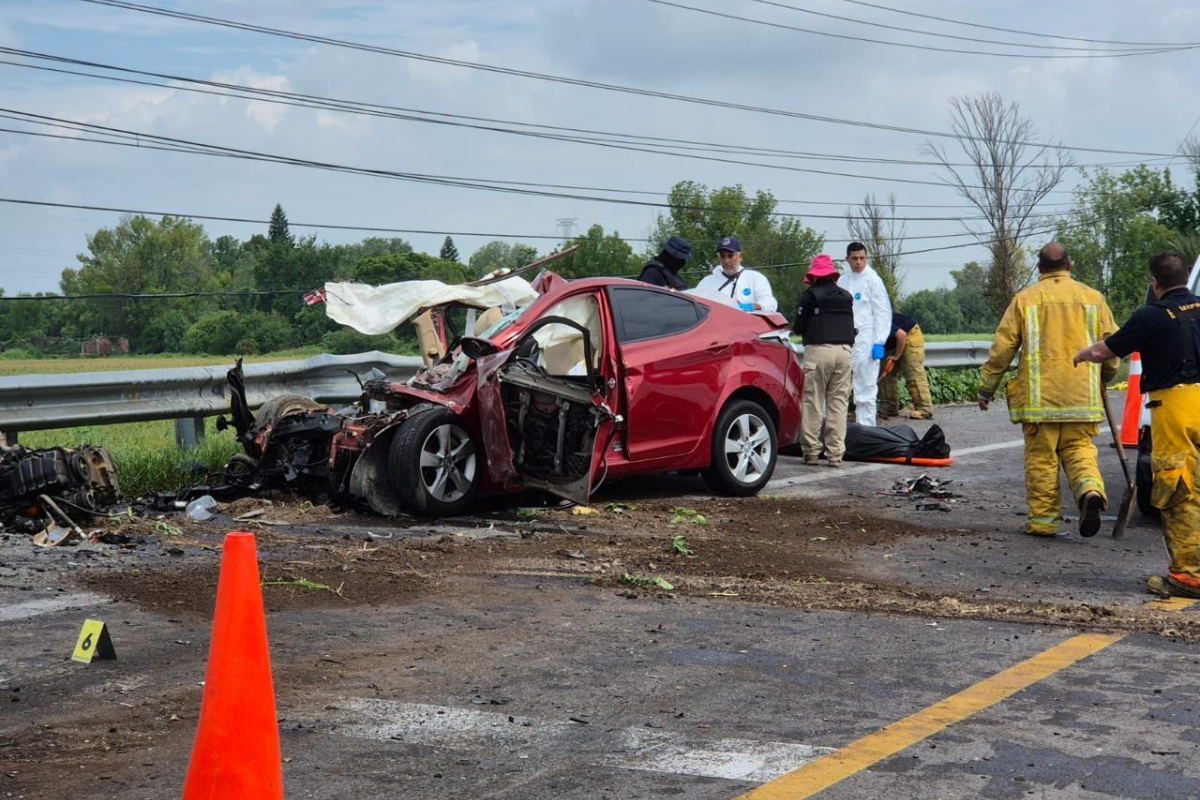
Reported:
(94, 632)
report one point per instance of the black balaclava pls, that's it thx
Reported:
(670, 262)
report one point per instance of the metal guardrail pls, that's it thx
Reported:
(948, 355)
(185, 394)
(189, 394)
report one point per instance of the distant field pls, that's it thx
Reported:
(44, 366)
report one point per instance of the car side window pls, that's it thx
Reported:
(650, 314)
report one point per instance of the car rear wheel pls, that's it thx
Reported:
(743, 450)
(435, 463)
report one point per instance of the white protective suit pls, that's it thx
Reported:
(873, 324)
(746, 288)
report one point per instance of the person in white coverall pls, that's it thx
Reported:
(873, 323)
(748, 289)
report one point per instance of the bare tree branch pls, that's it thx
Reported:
(875, 225)
(1190, 148)
(1007, 181)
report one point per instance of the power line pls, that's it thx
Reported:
(910, 45)
(641, 149)
(271, 92)
(581, 82)
(955, 37)
(623, 140)
(369, 228)
(1016, 30)
(149, 141)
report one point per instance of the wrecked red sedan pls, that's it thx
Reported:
(591, 380)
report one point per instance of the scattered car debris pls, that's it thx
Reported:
(38, 484)
(929, 494)
(202, 509)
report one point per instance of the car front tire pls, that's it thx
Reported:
(744, 450)
(435, 464)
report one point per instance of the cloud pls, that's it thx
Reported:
(631, 43)
(266, 115)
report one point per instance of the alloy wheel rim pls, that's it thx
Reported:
(748, 448)
(447, 463)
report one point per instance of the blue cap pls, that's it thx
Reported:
(679, 247)
(729, 243)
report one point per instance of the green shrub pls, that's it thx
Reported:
(217, 332)
(960, 385)
(235, 332)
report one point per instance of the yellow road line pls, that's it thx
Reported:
(828, 770)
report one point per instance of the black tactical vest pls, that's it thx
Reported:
(1185, 313)
(832, 320)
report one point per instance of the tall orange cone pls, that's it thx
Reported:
(236, 754)
(1132, 418)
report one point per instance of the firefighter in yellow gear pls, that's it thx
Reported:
(1167, 334)
(1058, 407)
(904, 354)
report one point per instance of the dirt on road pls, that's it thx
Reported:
(777, 551)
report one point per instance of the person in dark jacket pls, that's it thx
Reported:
(663, 269)
(1167, 334)
(826, 323)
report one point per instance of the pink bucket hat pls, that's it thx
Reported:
(822, 266)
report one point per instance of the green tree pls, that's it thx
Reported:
(294, 268)
(501, 255)
(139, 256)
(448, 252)
(278, 232)
(396, 267)
(376, 246)
(1116, 225)
(598, 255)
(936, 310)
(970, 291)
(781, 244)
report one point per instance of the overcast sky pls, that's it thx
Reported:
(1143, 103)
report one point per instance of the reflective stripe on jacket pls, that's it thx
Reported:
(1049, 322)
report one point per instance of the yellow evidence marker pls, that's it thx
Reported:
(94, 642)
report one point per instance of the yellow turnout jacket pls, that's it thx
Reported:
(1049, 323)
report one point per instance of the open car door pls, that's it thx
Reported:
(549, 401)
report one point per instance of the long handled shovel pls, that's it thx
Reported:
(1126, 501)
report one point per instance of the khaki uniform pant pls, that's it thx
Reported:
(828, 379)
(1047, 444)
(911, 365)
(1175, 426)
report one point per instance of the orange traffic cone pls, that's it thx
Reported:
(236, 754)
(1131, 420)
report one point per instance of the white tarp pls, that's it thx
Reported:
(375, 310)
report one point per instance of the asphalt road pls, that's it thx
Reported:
(515, 683)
